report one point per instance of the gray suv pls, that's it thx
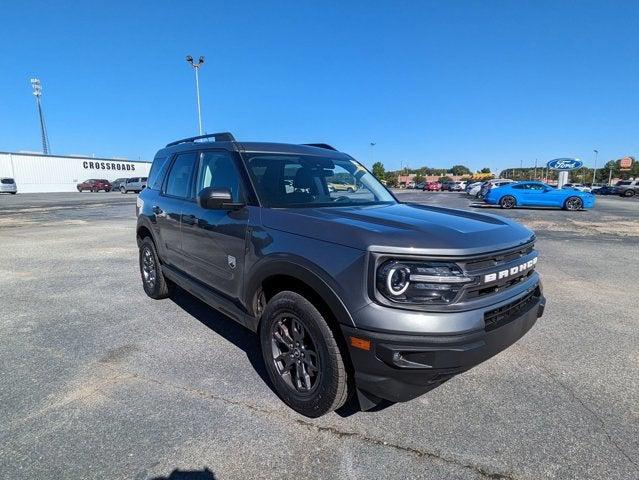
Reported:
(349, 292)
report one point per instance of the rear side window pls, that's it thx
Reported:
(178, 180)
(156, 175)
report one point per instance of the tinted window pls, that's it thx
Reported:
(519, 187)
(217, 170)
(177, 183)
(156, 175)
(304, 180)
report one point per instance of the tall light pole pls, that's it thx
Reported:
(594, 173)
(37, 91)
(371, 145)
(196, 67)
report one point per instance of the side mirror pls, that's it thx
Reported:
(216, 198)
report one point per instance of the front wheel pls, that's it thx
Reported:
(629, 193)
(574, 203)
(508, 202)
(155, 284)
(302, 357)
(122, 190)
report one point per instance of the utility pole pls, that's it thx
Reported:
(196, 67)
(535, 175)
(372, 144)
(594, 173)
(37, 91)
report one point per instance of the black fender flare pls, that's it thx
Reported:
(304, 271)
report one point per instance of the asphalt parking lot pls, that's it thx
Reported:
(99, 381)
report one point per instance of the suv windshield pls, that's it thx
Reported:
(310, 181)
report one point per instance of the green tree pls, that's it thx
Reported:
(445, 179)
(378, 170)
(419, 178)
(485, 170)
(460, 170)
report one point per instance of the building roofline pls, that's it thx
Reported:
(77, 157)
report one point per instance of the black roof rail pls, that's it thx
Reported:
(217, 137)
(320, 145)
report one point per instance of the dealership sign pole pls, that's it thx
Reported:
(563, 166)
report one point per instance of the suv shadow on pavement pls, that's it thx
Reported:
(177, 474)
(248, 342)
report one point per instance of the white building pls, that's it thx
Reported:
(35, 172)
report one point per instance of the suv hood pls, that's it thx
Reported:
(401, 228)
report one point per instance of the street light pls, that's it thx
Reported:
(196, 67)
(594, 173)
(372, 144)
(37, 91)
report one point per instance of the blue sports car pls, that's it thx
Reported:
(538, 194)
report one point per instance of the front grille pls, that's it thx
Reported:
(501, 316)
(494, 262)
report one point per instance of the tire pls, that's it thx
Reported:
(13, 193)
(508, 201)
(629, 193)
(79, 189)
(122, 190)
(153, 281)
(573, 204)
(290, 328)
(350, 190)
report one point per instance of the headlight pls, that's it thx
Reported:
(420, 283)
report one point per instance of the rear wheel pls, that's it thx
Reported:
(574, 203)
(302, 357)
(122, 190)
(508, 202)
(79, 189)
(629, 193)
(155, 284)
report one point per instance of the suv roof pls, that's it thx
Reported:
(227, 141)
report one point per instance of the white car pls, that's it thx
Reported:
(8, 185)
(577, 186)
(494, 183)
(474, 188)
(134, 184)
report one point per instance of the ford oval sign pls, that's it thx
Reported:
(565, 164)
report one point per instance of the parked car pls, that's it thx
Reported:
(576, 186)
(474, 188)
(457, 186)
(494, 183)
(420, 186)
(432, 187)
(94, 185)
(342, 186)
(8, 185)
(117, 183)
(470, 185)
(347, 293)
(445, 186)
(606, 190)
(628, 188)
(133, 184)
(538, 194)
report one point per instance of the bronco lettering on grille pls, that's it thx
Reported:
(510, 272)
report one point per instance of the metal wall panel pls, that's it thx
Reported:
(50, 173)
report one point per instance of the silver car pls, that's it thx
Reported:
(134, 184)
(8, 185)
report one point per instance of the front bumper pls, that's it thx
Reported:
(400, 367)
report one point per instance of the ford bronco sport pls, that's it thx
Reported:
(349, 292)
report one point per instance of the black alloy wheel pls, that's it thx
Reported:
(301, 355)
(508, 202)
(153, 281)
(574, 203)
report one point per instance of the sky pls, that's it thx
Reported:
(481, 83)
